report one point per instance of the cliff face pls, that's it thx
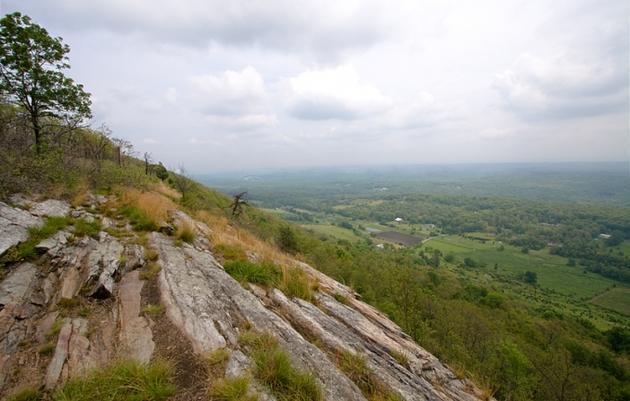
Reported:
(81, 302)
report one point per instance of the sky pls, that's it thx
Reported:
(214, 85)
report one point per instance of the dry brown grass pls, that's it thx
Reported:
(167, 191)
(224, 233)
(153, 204)
(81, 196)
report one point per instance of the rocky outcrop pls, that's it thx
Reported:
(84, 300)
(14, 225)
(50, 208)
(136, 337)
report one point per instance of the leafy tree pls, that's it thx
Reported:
(160, 171)
(530, 277)
(287, 240)
(32, 65)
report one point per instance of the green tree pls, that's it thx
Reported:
(530, 277)
(287, 240)
(32, 65)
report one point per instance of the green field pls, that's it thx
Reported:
(552, 271)
(617, 299)
(333, 231)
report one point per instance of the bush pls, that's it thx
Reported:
(123, 381)
(265, 273)
(287, 240)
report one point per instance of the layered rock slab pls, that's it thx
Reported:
(209, 306)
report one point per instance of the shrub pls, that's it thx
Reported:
(232, 389)
(265, 273)
(123, 381)
(287, 240)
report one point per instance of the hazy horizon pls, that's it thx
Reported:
(280, 84)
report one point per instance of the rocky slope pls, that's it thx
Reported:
(80, 304)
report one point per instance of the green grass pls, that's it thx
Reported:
(29, 394)
(153, 310)
(139, 220)
(356, 368)
(333, 231)
(551, 270)
(26, 250)
(85, 228)
(264, 273)
(123, 381)
(230, 252)
(297, 284)
(232, 389)
(186, 233)
(274, 369)
(617, 299)
(46, 349)
(151, 271)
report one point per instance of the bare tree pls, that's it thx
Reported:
(123, 149)
(147, 162)
(181, 181)
(237, 204)
(97, 146)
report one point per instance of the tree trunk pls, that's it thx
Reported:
(38, 132)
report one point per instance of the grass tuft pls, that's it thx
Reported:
(265, 273)
(273, 368)
(26, 250)
(46, 349)
(400, 357)
(232, 389)
(153, 310)
(356, 368)
(230, 252)
(28, 394)
(84, 228)
(296, 283)
(150, 272)
(123, 381)
(186, 233)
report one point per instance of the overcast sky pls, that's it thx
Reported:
(221, 85)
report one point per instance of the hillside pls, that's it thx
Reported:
(82, 290)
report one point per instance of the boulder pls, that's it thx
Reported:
(51, 208)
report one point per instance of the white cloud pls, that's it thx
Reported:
(563, 87)
(323, 27)
(334, 93)
(229, 93)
